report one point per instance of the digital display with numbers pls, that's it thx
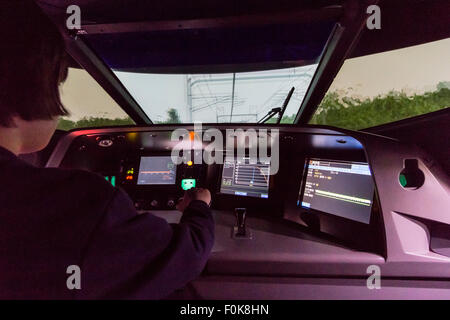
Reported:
(244, 177)
(340, 188)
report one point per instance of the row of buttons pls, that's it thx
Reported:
(153, 204)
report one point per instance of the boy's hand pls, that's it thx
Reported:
(194, 194)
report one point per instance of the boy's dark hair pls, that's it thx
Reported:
(32, 63)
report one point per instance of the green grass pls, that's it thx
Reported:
(355, 114)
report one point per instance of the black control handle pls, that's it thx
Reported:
(240, 221)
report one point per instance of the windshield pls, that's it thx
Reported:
(215, 75)
(210, 98)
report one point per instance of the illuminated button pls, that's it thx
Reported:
(189, 163)
(129, 178)
(187, 184)
(403, 181)
(132, 136)
(111, 179)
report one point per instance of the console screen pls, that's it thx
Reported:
(243, 178)
(344, 189)
(156, 170)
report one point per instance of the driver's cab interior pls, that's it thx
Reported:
(322, 136)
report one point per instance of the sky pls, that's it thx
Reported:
(84, 97)
(210, 96)
(411, 70)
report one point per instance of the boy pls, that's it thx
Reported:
(51, 219)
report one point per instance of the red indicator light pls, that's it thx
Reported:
(129, 178)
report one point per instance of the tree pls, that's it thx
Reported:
(172, 116)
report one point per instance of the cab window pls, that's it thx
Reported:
(88, 103)
(387, 87)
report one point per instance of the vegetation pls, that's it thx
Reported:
(65, 124)
(91, 122)
(343, 112)
(286, 119)
(172, 117)
(352, 113)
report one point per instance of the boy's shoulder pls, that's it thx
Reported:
(73, 185)
(80, 181)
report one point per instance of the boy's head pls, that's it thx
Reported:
(32, 66)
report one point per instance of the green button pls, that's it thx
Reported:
(403, 181)
(187, 184)
(113, 180)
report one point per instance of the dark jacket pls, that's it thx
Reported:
(51, 219)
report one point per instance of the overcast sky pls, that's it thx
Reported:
(255, 93)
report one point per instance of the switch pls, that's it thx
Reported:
(171, 203)
(139, 205)
(154, 203)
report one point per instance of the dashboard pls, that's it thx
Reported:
(324, 202)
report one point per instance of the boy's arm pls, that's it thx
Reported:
(133, 256)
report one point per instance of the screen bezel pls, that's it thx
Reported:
(140, 190)
(219, 187)
(155, 184)
(353, 233)
(301, 193)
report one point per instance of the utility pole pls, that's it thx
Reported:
(189, 98)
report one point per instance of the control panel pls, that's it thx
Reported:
(157, 182)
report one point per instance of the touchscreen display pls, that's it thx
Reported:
(241, 177)
(343, 189)
(157, 170)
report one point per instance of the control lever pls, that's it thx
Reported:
(240, 221)
(240, 230)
